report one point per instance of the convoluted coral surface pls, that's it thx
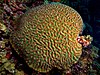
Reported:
(46, 37)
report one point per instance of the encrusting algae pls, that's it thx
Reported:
(46, 37)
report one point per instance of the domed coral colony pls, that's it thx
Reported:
(46, 37)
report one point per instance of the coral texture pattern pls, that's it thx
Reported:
(46, 37)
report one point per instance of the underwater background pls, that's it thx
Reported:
(88, 64)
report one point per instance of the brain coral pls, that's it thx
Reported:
(46, 37)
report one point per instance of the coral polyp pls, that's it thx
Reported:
(46, 37)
